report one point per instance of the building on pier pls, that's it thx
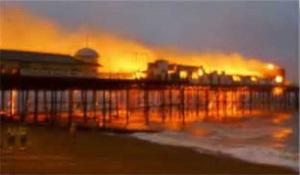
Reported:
(26, 63)
(188, 73)
(164, 71)
(222, 78)
(159, 70)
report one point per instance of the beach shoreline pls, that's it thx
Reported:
(54, 150)
(175, 139)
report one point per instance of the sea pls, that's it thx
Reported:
(268, 138)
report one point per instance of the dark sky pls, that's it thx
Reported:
(264, 29)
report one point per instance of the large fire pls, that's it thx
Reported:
(23, 30)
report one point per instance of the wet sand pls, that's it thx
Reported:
(54, 150)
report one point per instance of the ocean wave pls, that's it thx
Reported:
(250, 153)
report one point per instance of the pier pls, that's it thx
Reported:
(115, 102)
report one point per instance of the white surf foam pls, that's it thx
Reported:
(255, 154)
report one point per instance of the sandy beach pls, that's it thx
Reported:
(54, 150)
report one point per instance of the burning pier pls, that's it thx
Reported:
(136, 103)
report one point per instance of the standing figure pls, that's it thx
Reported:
(11, 138)
(73, 128)
(23, 137)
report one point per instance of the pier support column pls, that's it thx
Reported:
(163, 104)
(84, 105)
(24, 104)
(10, 107)
(250, 100)
(61, 104)
(182, 104)
(117, 102)
(288, 102)
(225, 102)
(206, 103)
(103, 109)
(11, 104)
(269, 100)
(232, 101)
(109, 105)
(197, 101)
(20, 104)
(51, 112)
(261, 99)
(36, 105)
(242, 101)
(70, 107)
(94, 104)
(127, 105)
(53, 107)
(170, 102)
(46, 111)
(146, 106)
(217, 93)
(3, 100)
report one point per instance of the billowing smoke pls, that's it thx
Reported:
(21, 30)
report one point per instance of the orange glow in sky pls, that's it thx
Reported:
(270, 66)
(22, 30)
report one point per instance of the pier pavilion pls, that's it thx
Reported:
(37, 64)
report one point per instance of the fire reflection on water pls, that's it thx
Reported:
(282, 133)
(280, 118)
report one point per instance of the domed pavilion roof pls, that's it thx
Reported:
(87, 55)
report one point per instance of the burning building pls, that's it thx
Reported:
(159, 70)
(84, 63)
(24, 63)
(164, 71)
(274, 73)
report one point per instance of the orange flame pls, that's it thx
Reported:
(23, 30)
(14, 101)
(277, 91)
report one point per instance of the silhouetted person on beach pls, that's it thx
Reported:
(22, 131)
(72, 130)
(11, 138)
